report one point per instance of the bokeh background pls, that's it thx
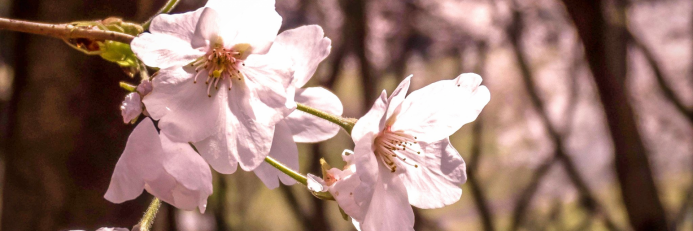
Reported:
(590, 124)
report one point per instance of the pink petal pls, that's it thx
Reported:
(374, 121)
(283, 150)
(436, 181)
(218, 150)
(174, 173)
(367, 168)
(253, 125)
(131, 108)
(441, 108)
(306, 46)
(344, 192)
(191, 172)
(307, 128)
(389, 208)
(396, 98)
(184, 110)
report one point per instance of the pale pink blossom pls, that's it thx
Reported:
(403, 154)
(218, 86)
(173, 172)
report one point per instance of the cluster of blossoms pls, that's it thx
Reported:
(226, 94)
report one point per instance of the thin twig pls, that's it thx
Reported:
(477, 191)
(63, 31)
(660, 76)
(166, 9)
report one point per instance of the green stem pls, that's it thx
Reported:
(167, 8)
(346, 123)
(286, 170)
(149, 216)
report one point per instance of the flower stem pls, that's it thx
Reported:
(63, 31)
(149, 216)
(346, 123)
(166, 9)
(286, 170)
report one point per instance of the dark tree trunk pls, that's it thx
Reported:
(605, 48)
(65, 133)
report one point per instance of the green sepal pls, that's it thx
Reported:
(344, 215)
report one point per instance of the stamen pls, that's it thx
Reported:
(390, 146)
(219, 63)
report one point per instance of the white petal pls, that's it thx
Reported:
(441, 108)
(184, 110)
(373, 121)
(435, 182)
(169, 43)
(253, 22)
(181, 26)
(307, 128)
(131, 108)
(207, 29)
(315, 183)
(306, 46)
(396, 98)
(389, 208)
(283, 150)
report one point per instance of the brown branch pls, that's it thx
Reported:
(587, 199)
(660, 76)
(62, 31)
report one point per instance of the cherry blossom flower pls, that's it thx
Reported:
(171, 171)
(341, 184)
(403, 154)
(310, 47)
(218, 87)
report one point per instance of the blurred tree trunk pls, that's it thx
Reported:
(355, 33)
(605, 49)
(65, 132)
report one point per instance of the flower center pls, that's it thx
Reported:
(394, 146)
(221, 63)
